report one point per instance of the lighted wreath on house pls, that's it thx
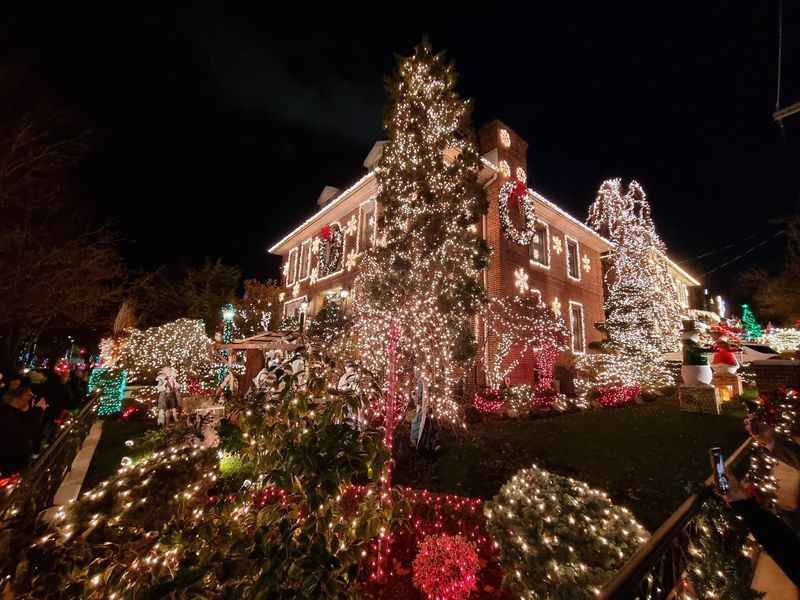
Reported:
(511, 194)
(330, 252)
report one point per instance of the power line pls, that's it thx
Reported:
(743, 254)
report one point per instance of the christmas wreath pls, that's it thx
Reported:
(330, 253)
(512, 193)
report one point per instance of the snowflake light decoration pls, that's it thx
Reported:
(295, 290)
(352, 226)
(351, 261)
(587, 264)
(315, 245)
(557, 247)
(521, 280)
(505, 138)
(556, 306)
(313, 276)
(505, 170)
(285, 269)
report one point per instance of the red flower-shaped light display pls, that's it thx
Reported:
(445, 567)
(488, 402)
(619, 396)
(325, 233)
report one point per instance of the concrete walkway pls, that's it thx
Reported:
(71, 486)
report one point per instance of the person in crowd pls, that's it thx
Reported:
(79, 382)
(12, 382)
(20, 429)
(777, 539)
(169, 396)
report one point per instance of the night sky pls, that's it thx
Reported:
(218, 129)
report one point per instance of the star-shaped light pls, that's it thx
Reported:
(296, 290)
(521, 280)
(351, 261)
(352, 226)
(557, 245)
(587, 263)
(556, 306)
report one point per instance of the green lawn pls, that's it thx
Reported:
(645, 456)
(112, 448)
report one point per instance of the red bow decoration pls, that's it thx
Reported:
(326, 233)
(517, 193)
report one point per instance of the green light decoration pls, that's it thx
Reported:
(111, 383)
(228, 314)
(751, 327)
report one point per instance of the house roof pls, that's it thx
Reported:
(345, 194)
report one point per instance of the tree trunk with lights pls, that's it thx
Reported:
(423, 273)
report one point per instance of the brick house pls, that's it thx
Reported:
(563, 264)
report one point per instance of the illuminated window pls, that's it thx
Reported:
(577, 329)
(292, 266)
(573, 268)
(305, 251)
(367, 225)
(539, 248)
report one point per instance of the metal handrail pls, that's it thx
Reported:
(39, 482)
(627, 581)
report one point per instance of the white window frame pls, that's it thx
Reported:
(567, 240)
(291, 273)
(546, 247)
(307, 246)
(343, 258)
(374, 203)
(572, 327)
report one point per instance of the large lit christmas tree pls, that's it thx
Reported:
(752, 328)
(422, 277)
(643, 315)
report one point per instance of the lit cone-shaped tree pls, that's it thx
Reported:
(643, 315)
(752, 328)
(422, 276)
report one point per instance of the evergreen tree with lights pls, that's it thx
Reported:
(643, 315)
(752, 328)
(422, 276)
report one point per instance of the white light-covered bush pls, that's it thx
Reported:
(557, 537)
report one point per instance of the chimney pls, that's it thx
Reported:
(328, 192)
(375, 154)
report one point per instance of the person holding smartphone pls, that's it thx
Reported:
(20, 429)
(777, 539)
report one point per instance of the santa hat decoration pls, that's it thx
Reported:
(724, 357)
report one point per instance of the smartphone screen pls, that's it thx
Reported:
(718, 465)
